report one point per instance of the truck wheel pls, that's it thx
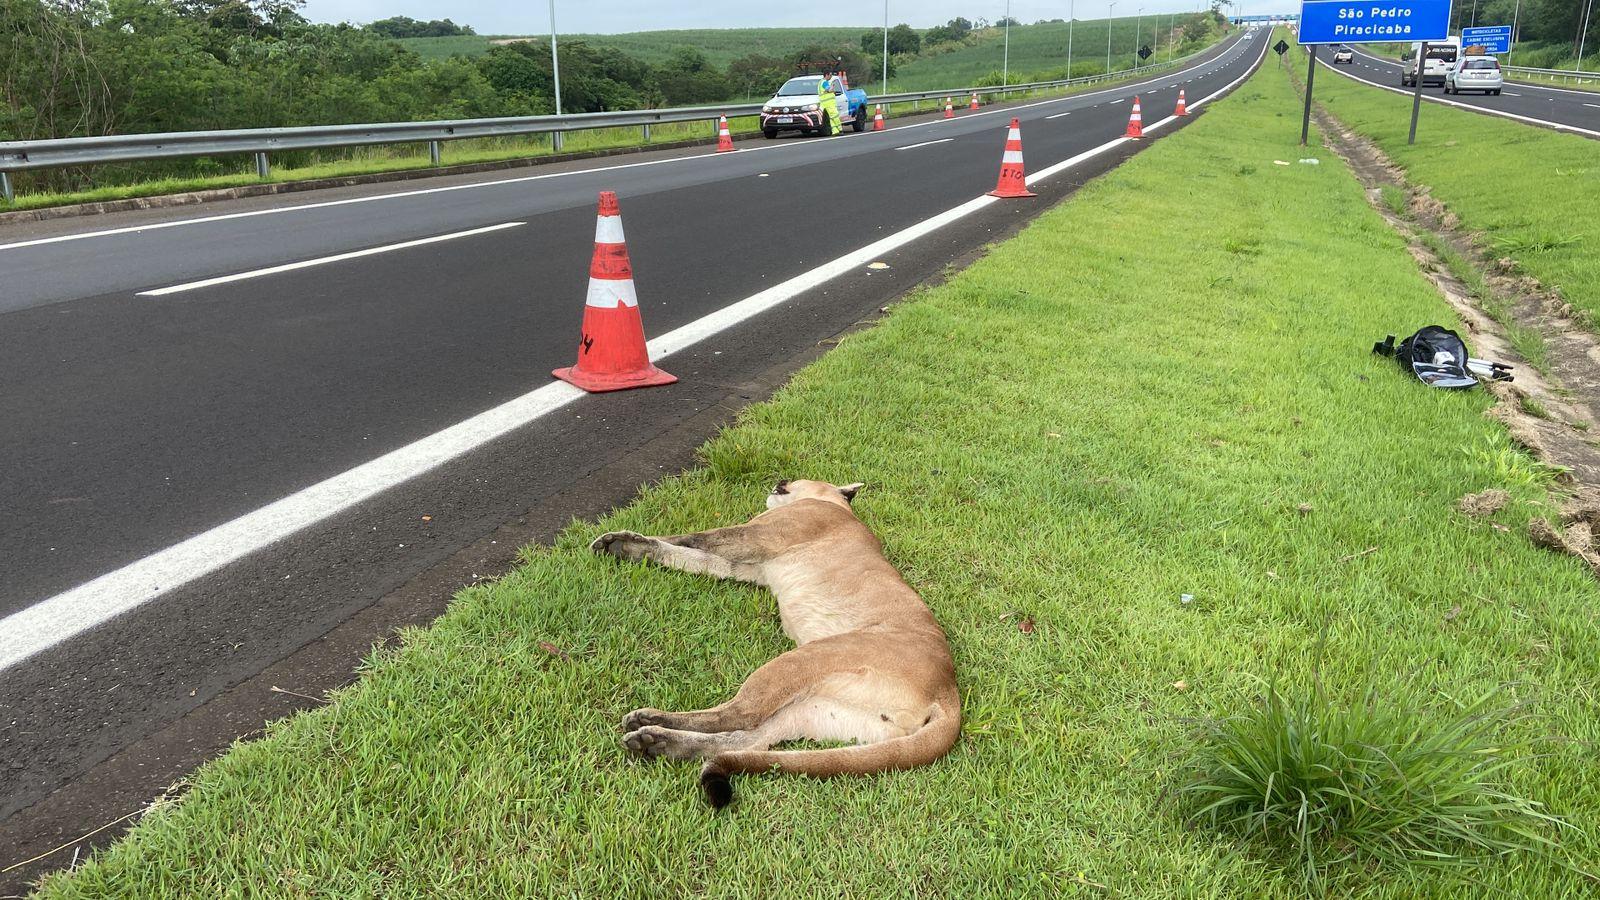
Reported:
(859, 124)
(770, 133)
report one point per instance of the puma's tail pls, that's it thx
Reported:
(933, 740)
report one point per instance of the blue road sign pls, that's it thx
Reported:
(1353, 21)
(1492, 38)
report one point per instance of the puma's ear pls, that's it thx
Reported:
(849, 490)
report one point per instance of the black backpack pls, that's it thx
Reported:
(1439, 358)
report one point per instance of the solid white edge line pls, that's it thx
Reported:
(1467, 106)
(322, 260)
(1219, 60)
(63, 616)
(925, 144)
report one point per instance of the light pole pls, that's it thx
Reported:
(1582, 35)
(1005, 65)
(1514, 16)
(555, 69)
(1138, 19)
(1072, 14)
(1109, 8)
(885, 47)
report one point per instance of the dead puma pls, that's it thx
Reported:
(871, 665)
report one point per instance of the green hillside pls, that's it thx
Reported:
(1040, 51)
(1037, 51)
(720, 45)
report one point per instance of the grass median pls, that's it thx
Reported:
(1531, 191)
(1160, 389)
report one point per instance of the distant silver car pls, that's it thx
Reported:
(1474, 73)
(1343, 55)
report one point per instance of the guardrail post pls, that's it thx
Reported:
(433, 153)
(555, 141)
(5, 187)
(263, 168)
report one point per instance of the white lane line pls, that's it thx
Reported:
(322, 261)
(1594, 105)
(925, 144)
(1227, 58)
(56, 619)
(1509, 94)
(1058, 115)
(1488, 111)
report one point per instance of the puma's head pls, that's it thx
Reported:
(789, 491)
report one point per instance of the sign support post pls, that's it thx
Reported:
(1416, 98)
(1311, 77)
(1416, 22)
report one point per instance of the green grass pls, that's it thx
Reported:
(1531, 191)
(1332, 784)
(1107, 412)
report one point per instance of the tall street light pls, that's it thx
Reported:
(555, 69)
(1517, 13)
(885, 47)
(1109, 8)
(1138, 18)
(1072, 15)
(1005, 65)
(1582, 35)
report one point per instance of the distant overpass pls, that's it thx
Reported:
(1269, 19)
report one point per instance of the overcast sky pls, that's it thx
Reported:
(611, 16)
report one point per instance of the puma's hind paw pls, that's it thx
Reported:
(649, 742)
(621, 544)
(641, 717)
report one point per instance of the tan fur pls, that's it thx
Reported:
(871, 664)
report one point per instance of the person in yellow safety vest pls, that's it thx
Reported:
(827, 106)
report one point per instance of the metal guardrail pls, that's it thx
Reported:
(1564, 74)
(22, 156)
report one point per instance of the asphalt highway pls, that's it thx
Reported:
(141, 409)
(1578, 111)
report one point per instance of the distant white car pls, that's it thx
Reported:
(1475, 73)
(1343, 55)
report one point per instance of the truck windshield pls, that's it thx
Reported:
(795, 87)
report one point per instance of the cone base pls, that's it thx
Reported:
(1007, 195)
(727, 149)
(600, 384)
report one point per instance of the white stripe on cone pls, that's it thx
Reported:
(607, 293)
(608, 230)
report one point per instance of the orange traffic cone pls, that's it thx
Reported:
(1182, 109)
(877, 119)
(949, 110)
(1012, 181)
(1135, 122)
(974, 100)
(611, 354)
(724, 139)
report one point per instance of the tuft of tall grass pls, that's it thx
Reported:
(1336, 789)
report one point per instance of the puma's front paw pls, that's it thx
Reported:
(621, 544)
